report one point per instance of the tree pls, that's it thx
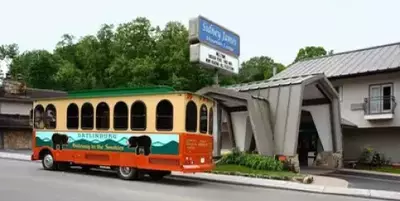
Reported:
(8, 51)
(310, 52)
(132, 54)
(38, 68)
(258, 68)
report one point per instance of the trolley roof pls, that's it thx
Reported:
(118, 92)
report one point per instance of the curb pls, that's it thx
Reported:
(285, 185)
(370, 174)
(15, 156)
(256, 182)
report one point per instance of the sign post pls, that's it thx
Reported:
(214, 47)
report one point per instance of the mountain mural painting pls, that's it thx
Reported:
(139, 143)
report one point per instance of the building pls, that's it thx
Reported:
(297, 117)
(368, 83)
(16, 103)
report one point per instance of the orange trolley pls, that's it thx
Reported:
(151, 130)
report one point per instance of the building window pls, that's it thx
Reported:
(102, 116)
(51, 117)
(203, 119)
(121, 116)
(210, 117)
(72, 116)
(164, 115)
(87, 116)
(138, 116)
(191, 117)
(39, 117)
(380, 98)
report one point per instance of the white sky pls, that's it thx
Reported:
(273, 28)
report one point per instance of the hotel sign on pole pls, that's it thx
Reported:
(214, 46)
(211, 58)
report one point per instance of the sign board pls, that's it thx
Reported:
(212, 58)
(208, 32)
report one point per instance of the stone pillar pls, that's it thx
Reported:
(17, 140)
(293, 163)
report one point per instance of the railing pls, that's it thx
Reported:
(379, 105)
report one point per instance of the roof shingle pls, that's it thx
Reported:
(271, 83)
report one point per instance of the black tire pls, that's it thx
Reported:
(127, 173)
(48, 162)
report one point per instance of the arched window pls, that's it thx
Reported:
(203, 119)
(164, 115)
(39, 117)
(87, 118)
(211, 121)
(72, 116)
(51, 117)
(120, 116)
(102, 116)
(138, 116)
(191, 117)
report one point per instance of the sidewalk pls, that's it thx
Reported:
(322, 185)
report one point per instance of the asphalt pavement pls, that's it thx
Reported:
(21, 180)
(368, 182)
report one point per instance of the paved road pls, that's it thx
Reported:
(368, 183)
(20, 180)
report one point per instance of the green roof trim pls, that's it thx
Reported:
(120, 92)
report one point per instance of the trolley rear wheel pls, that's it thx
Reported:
(127, 173)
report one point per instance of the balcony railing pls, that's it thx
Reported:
(379, 105)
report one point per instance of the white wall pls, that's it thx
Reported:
(15, 108)
(354, 90)
(383, 140)
(239, 125)
(322, 121)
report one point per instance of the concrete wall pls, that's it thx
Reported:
(240, 128)
(15, 108)
(285, 109)
(354, 90)
(385, 140)
(322, 121)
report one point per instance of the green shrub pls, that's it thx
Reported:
(373, 158)
(254, 161)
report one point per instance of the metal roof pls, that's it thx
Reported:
(367, 60)
(271, 83)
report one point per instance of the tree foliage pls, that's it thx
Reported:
(258, 68)
(131, 54)
(309, 52)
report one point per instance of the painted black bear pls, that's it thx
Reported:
(140, 142)
(59, 139)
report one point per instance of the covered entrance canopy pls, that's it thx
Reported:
(274, 108)
(258, 113)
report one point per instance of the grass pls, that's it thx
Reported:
(387, 170)
(245, 171)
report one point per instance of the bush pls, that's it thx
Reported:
(373, 158)
(254, 161)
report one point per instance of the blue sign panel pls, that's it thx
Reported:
(219, 37)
